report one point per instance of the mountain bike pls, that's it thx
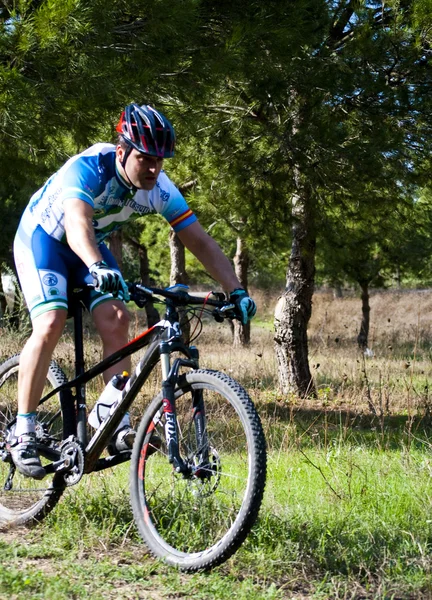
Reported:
(198, 463)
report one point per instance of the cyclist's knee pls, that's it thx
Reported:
(49, 325)
(112, 320)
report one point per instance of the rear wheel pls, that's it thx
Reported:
(196, 521)
(22, 499)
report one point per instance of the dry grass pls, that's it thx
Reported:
(396, 317)
(395, 379)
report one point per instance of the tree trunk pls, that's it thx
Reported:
(337, 291)
(178, 275)
(9, 301)
(398, 277)
(3, 304)
(178, 260)
(116, 247)
(363, 336)
(241, 265)
(295, 305)
(151, 313)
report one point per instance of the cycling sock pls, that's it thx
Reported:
(26, 423)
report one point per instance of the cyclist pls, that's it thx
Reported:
(60, 241)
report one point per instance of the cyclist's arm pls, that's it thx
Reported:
(210, 255)
(79, 230)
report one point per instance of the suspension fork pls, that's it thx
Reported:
(199, 417)
(170, 376)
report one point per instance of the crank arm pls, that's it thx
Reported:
(60, 466)
(9, 481)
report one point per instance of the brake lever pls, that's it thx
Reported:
(219, 314)
(219, 296)
(140, 294)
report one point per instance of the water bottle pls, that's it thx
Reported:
(110, 395)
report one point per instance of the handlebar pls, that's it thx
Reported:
(177, 297)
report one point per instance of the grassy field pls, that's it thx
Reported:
(347, 511)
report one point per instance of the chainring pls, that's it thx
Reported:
(74, 450)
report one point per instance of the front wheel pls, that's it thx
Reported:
(24, 500)
(197, 520)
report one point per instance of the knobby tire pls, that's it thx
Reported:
(29, 500)
(197, 523)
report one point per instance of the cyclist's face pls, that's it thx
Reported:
(142, 170)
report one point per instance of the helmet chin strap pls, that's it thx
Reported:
(123, 164)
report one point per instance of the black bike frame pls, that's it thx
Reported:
(162, 339)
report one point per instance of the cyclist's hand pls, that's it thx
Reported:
(109, 280)
(245, 306)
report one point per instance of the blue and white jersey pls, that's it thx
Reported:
(92, 176)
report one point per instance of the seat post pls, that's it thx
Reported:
(78, 338)
(79, 370)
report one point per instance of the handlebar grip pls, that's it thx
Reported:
(139, 294)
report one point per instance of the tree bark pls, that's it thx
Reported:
(3, 304)
(116, 247)
(151, 312)
(295, 305)
(241, 265)
(178, 260)
(178, 275)
(9, 301)
(337, 291)
(363, 335)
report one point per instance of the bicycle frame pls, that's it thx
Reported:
(162, 339)
(199, 454)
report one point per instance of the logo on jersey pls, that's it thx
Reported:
(50, 279)
(46, 213)
(165, 196)
(139, 208)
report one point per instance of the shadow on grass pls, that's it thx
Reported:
(311, 426)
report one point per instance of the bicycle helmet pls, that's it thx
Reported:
(147, 130)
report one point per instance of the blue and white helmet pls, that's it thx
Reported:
(147, 130)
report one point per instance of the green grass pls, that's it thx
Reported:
(347, 512)
(345, 515)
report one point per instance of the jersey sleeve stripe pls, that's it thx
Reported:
(73, 192)
(181, 218)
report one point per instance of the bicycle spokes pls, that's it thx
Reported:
(195, 507)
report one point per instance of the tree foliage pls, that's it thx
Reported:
(308, 119)
(66, 70)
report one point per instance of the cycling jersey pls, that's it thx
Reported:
(92, 176)
(44, 260)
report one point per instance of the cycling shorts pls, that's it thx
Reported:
(48, 268)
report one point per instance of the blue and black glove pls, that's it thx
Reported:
(109, 280)
(245, 306)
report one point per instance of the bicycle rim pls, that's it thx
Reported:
(199, 521)
(28, 499)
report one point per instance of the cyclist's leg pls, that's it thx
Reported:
(112, 323)
(42, 271)
(42, 275)
(36, 357)
(111, 319)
